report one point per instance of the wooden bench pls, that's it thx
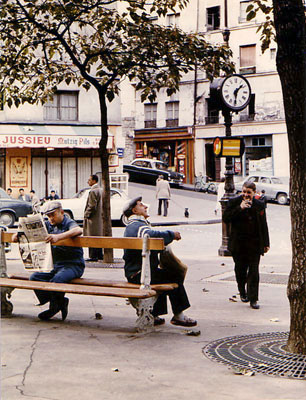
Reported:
(142, 296)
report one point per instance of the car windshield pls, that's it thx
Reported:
(277, 181)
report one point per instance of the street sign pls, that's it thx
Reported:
(228, 147)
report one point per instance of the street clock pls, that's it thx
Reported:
(232, 92)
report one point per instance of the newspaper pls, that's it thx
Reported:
(35, 252)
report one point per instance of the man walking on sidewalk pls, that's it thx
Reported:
(162, 194)
(249, 239)
(93, 216)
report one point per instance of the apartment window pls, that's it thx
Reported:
(248, 114)
(172, 113)
(150, 115)
(173, 19)
(248, 59)
(63, 107)
(213, 18)
(243, 13)
(212, 113)
(272, 54)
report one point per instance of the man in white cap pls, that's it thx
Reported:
(138, 225)
(68, 262)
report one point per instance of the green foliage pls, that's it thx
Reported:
(45, 43)
(267, 27)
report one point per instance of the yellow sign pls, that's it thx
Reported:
(228, 147)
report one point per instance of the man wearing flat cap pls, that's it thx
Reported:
(138, 226)
(68, 262)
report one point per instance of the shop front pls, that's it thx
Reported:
(46, 158)
(173, 146)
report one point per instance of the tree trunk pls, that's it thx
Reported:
(106, 216)
(289, 22)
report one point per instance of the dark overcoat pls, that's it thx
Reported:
(93, 225)
(232, 215)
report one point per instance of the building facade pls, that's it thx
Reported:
(55, 146)
(180, 129)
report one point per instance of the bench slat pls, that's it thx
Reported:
(162, 287)
(103, 242)
(78, 289)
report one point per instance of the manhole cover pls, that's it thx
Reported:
(262, 353)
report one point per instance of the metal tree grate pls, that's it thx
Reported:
(262, 353)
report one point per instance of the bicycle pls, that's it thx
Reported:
(202, 183)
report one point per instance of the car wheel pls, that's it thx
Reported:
(7, 219)
(68, 214)
(282, 198)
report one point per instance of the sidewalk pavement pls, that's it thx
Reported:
(93, 359)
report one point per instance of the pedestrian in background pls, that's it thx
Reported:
(9, 192)
(249, 239)
(162, 194)
(23, 196)
(263, 198)
(93, 225)
(35, 201)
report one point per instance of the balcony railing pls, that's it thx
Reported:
(246, 117)
(247, 70)
(213, 119)
(150, 123)
(170, 123)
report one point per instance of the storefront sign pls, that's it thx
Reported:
(228, 147)
(36, 141)
(120, 152)
(139, 153)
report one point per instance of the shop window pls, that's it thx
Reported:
(63, 107)
(258, 141)
(248, 59)
(213, 18)
(243, 13)
(248, 114)
(150, 115)
(172, 113)
(212, 113)
(173, 20)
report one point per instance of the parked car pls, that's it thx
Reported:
(12, 209)
(146, 170)
(75, 206)
(276, 188)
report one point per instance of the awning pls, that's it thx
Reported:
(57, 136)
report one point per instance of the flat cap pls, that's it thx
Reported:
(51, 206)
(127, 209)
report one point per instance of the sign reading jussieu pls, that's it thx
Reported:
(83, 142)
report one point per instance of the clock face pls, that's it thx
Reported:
(235, 92)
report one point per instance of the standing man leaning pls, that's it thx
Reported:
(162, 194)
(22, 196)
(138, 226)
(249, 239)
(68, 262)
(93, 216)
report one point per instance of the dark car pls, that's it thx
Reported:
(146, 170)
(12, 209)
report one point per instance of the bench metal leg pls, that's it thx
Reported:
(6, 306)
(144, 307)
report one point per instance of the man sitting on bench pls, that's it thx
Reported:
(68, 262)
(138, 225)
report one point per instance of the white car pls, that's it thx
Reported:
(276, 189)
(75, 206)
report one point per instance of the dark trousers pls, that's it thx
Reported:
(165, 203)
(178, 297)
(247, 274)
(95, 253)
(60, 274)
